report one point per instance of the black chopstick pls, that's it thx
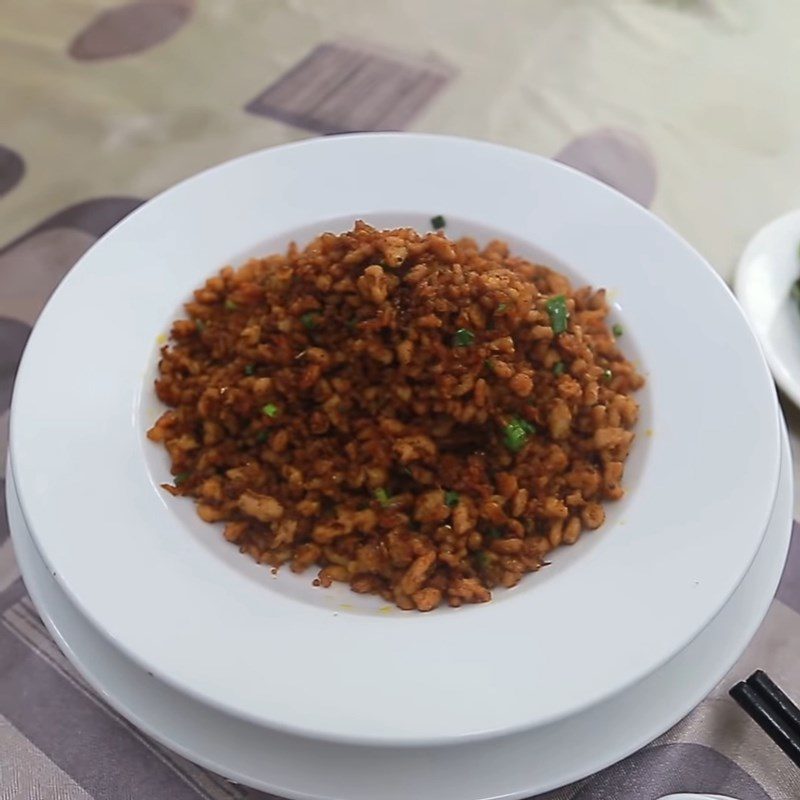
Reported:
(762, 683)
(772, 711)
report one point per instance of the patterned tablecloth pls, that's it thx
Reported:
(688, 106)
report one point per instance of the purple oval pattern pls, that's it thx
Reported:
(94, 217)
(12, 168)
(618, 158)
(130, 28)
(13, 335)
(670, 769)
(34, 263)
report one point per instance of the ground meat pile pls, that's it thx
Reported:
(423, 419)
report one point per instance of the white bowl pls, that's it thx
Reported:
(172, 595)
(767, 269)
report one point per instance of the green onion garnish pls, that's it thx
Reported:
(249, 369)
(437, 222)
(230, 305)
(200, 325)
(270, 410)
(482, 559)
(607, 375)
(309, 320)
(557, 309)
(180, 478)
(516, 433)
(382, 496)
(488, 364)
(451, 498)
(559, 368)
(261, 437)
(501, 308)
(463, 337)
(617, 329)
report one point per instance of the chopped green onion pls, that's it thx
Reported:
(451, 498)
(309, 320)
(488, 364)
(200, 325)
(270, 410)
(463, 337)
(249, 369)
(180, 478)
(607, 375)
(437, 222)
(482, 559)
(261, 437)
(559, 314)
(501, 308)
(382, 496)
(559, 368)
(516, 433)
(493, 533)
(230, 305)
(617, 329)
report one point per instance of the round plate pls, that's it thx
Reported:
(514, 766)
(767, 269)
(169, 592)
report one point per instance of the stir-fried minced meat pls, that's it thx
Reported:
(418, 417)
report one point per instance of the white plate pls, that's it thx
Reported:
(767, 269)
(514, 766)
(166, 588)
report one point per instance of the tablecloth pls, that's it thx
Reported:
(688, 106)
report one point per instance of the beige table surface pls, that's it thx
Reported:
(692, 107)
